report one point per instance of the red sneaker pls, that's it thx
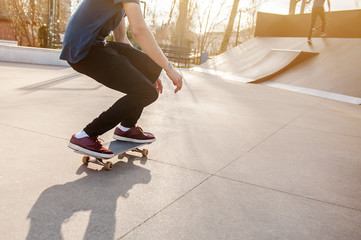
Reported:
(91, 146)
(134, 134)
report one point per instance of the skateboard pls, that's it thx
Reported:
(117, 147)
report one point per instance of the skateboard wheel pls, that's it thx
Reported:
(86, 160)
(108, 166)
(145, 152)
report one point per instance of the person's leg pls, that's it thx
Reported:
(139, 60)
(313, 21)
(107, 66)
(323, 19)
(143, 64)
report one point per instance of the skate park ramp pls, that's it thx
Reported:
(334, 71)
(275, 62)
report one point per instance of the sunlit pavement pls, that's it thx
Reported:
(231, 161)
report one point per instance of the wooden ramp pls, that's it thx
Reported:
(274, 63)
(335, 69)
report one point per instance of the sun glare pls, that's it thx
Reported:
(158, 11)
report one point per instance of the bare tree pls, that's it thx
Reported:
(20, 20)
(251, 16)
(303, 5)
(171, 11)
(154, 18)
(207, 23)
(293, 5)
(182, 35)
(31, 16)
(229, 30)
(182, 22)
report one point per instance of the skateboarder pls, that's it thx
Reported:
(116, 65)
(318, 10)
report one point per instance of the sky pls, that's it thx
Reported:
(272, 6)
(162, 7)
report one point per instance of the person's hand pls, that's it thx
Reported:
(159, 86)
(176, 79)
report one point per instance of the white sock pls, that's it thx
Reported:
(81, 134)
(124, 129)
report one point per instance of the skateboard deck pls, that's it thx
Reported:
(117, 147)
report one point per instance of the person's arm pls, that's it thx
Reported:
(147, 42)
(120, 33)
(329, 5)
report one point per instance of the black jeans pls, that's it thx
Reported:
(125, 69)
(317, 11)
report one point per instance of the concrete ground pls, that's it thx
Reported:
(231, 161)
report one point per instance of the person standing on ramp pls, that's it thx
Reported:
(318, 10)
(118, 66)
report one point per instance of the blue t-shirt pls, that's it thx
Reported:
(89, 25)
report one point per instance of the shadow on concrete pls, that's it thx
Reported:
(31, 66)
(131, 158)
(55, 81)
(97, 192)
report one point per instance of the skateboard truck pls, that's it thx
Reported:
(107, 165)
(144, 151)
